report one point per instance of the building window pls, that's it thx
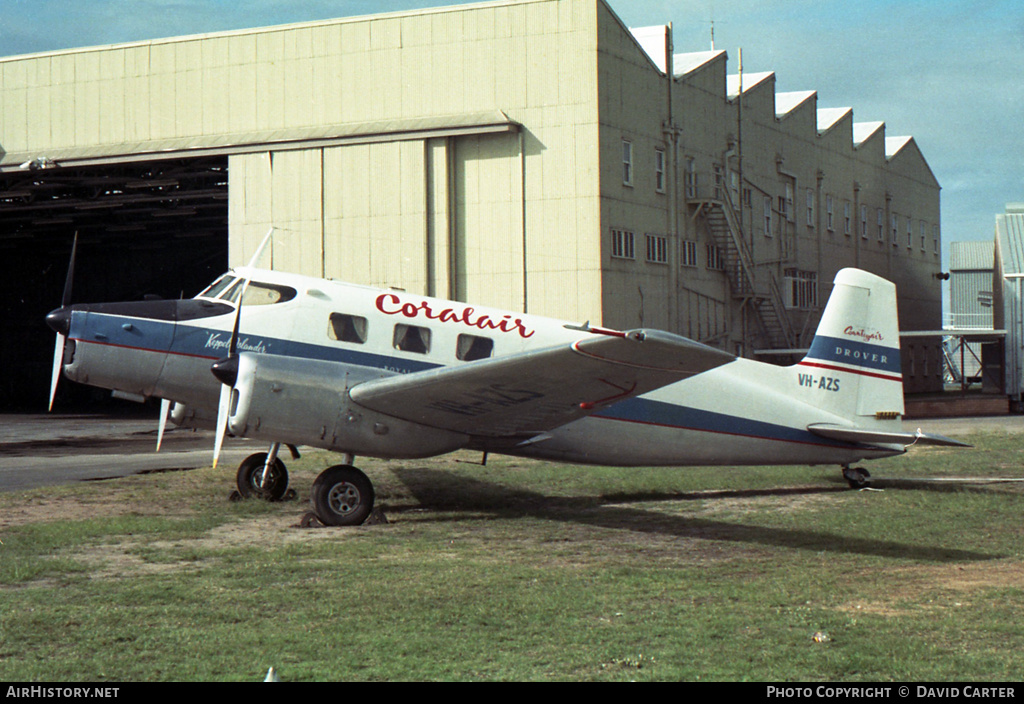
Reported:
(768, 216)
(847, 218)
(688, 253)
(691, 178)
(863, 222)
(810, 208)
(786, 208)
(801, 289)
(716, 261)
(627, 163)
(910, 233)
(923, 236)
(881, 225)
(622, 244)
(830, 213)
(659, 170)
(657, 249)
(894, 227)
(935, 239)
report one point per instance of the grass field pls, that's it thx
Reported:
(522, 570)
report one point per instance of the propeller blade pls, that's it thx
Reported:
(233, 343)
(65, 301)
(165, 406)
(66, 298)
(58, 363)
(223, 410)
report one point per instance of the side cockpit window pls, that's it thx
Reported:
(260, 294)
(347, 328)
(257, 293)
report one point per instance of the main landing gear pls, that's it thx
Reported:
(342, 495)
(856, 477)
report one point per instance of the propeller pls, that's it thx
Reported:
(60, 320)
(226, 368)
(226, 371)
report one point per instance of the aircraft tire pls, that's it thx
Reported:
(251, 471)
(342, 496)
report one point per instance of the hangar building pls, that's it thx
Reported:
(536, 155)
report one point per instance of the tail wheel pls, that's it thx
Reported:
(342, 496)
(250, 477)
(856, 477)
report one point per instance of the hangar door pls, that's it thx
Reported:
(440, 216)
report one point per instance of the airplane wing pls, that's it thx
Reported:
(881, 437)
(537, 390)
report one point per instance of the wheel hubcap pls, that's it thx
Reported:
(343, 498)
(257, 476)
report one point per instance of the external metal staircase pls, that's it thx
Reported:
(758, 288)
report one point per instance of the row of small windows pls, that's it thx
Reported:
(786, 208)
(866, 225)
(344, 327)
(624, 247)
(800, 289)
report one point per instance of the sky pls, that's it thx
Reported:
(949, 73)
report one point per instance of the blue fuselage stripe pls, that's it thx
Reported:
(166, 337)
(660, 413)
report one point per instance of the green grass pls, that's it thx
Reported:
(526, 571)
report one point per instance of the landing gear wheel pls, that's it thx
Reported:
(856, 477)
(342, 496)
(250, 473)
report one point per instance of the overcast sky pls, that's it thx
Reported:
(950, 73)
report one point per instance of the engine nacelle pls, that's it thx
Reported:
(306, 402)
(185, 415)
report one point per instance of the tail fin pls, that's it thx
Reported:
(857, 349)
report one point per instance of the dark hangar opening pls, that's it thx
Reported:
(157, 228)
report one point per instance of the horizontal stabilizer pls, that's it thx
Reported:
(881, 437)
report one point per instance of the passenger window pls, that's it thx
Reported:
(347, 328)
(410, 338)
(470, 347)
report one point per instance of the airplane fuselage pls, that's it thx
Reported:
(305, 343)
